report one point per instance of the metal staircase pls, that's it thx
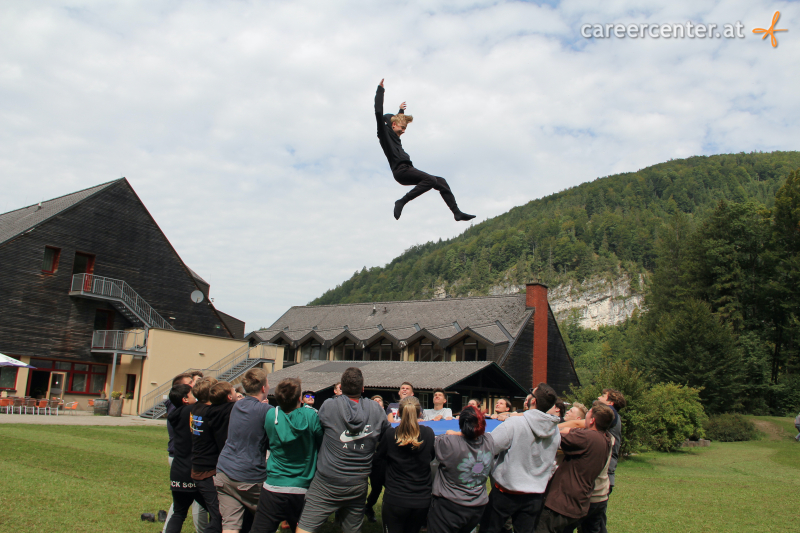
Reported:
(229, 368)
(121, 296)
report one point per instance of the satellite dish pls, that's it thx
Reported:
(197, 297)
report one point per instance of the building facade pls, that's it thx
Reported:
(517, 332)
(85, 280)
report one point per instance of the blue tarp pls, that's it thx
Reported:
(440, 427)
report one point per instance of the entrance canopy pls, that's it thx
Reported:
(10, 361)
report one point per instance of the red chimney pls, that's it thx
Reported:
(536, 298)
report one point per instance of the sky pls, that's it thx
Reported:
(247, 128)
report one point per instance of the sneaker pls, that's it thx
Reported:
(369, 512)
(398, 209)
(463, 216)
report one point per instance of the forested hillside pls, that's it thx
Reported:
(719, 238)
(603, 227)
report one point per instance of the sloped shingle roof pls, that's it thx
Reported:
(443, 318)
(320, 375)
(19, 221)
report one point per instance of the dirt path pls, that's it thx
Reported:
(772, 431)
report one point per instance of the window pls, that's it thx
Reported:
(130, 385)
(428, 351)
(8, 377)
(87, 379)
(382, 352)
(50, 262)
(313, 352)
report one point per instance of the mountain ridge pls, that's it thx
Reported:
(604, 229)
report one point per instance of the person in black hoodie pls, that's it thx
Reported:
(407, 451)
(184, 490)
(390, 128)
(209, 427)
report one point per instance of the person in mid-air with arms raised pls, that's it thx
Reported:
(390, 128)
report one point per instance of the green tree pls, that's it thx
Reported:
(691, 346)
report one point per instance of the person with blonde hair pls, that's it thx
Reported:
(390, 128)
(407, 452)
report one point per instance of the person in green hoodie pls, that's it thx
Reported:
(294, 436)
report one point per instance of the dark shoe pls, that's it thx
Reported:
(459, 216)
(369, 512)
(148, 517)
(162, 516)
(398, 209)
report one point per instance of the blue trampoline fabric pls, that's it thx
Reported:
(440, 427)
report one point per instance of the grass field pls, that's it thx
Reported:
(93, 479)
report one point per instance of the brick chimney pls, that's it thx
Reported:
(536, 298)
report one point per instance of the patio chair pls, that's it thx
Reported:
(30, 404)
(7, 404)
(19, 405)
(71, 406)
(55, 403)
(43, 405)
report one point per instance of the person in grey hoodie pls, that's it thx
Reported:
(525, 449)
(352, 426)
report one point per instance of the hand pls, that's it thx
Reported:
(437, 418)
(493, 416)
(403, 106)
(381, 83)
(449, 418)
(452, 432)
(502, 417)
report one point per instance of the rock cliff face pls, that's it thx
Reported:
(599, 302)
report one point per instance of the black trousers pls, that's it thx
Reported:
(376, 479)
(181, 503)
(445, 516)
(408, 175)
(273, 507)
(523, 509)
(594, 521)
(398, 519)
(211, 503)
(552, 522)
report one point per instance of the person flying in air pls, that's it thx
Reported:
(390, 128)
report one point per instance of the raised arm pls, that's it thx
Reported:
(379, 106)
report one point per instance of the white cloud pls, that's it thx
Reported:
(247, 128)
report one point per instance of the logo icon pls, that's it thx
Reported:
(771, 30)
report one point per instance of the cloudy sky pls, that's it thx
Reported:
(247, 127)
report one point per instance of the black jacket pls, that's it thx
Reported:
(180, 473)
(408, 471)
(390, 142)
(209, 433)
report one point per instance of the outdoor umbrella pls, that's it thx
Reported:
(10, 361)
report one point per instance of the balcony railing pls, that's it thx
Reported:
(115, 289)
(130, 340)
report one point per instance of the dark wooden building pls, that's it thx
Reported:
(517, 332)
(92, 261)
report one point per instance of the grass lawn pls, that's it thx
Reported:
(91, 479)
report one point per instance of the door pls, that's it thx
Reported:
(84, 264)
(58, 381)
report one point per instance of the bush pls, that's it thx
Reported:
(671, 414)
(730, 428)
(657, 417)
(634, 386)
